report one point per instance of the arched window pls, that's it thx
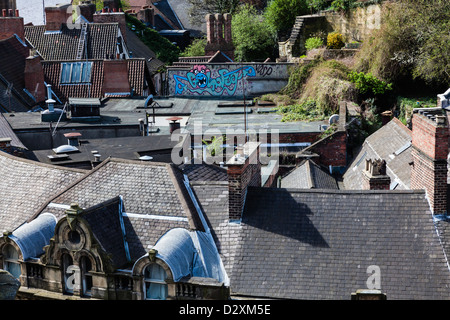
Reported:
(69, 273)
(155, 285)
(11, 260)
(86, 277)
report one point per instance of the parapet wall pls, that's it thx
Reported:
(228, 79)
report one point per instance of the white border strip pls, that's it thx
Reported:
(153, 217)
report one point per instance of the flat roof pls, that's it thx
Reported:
(212, 113)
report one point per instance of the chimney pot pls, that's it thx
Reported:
(4, 12)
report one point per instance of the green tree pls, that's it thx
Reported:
(195, 49)
(317, 5)
(281, 14)
(253, 38)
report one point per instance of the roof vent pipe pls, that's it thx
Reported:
(49, 100)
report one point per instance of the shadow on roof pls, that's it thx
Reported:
(279, 213)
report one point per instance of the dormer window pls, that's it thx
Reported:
(76, 72)
(155, 285)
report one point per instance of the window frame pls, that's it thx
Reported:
(79, 72)
(147, 282)
(85, 291)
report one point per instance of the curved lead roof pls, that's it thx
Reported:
(33, 236)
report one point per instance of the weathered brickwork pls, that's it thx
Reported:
(241, 176)
(10, 25)
(429, 153)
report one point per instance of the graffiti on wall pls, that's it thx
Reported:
(199, 80)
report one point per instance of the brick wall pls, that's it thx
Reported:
(432, 176)
(240, 176)
(429, 153)
(218, 34)
(34, 78)
(376, 182)
(10, 26)
(56, 16)
(115, 76)
(332, 150)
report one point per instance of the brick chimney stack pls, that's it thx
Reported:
(243, 170)
(218, 34)
(57, 16)
(147, 15)
(11, 23)
(87, 10)
(34, 77)
(430, 135)
(374, 175)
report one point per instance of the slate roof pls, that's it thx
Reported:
(204, 172)
(313, 244)
(101, 41)
(390, 143)
(104, 221)
(25, 185)
(138, 49)
(155, 199)
(309, 175)
(7, 132)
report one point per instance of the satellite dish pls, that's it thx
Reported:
(333, 119)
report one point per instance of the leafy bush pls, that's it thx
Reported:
(313, 43)
(335, 40)
(367, 83)
(342, 5)
(253, 38)
(195, 49)
(412, 43)
(317, 5)
(305, 111)
(297, 78)
(281, 14)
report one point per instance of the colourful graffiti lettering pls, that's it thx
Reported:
(199, 81)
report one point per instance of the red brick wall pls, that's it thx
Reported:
(10, 26)
(115, 76)
(430, 138)
(34, 78)
(332, 150)
(431, 176)
(56, 16)
(239, 178)
(429, 153)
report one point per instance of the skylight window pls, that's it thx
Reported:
(76, 72)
